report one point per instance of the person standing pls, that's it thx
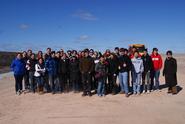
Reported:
(170, 72)
(51, 67)
(30, 66)
(124, 67)
(157, 65)
(64, 72)
(137, 70)
(18, 67)
(112, 73)
(146, 76)
(74, 73)
(26, 75)
(86, 69)
(39, 75)
(101, 71)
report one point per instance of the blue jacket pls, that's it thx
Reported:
(51, 66)
(18, 67)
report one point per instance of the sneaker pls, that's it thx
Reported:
(127, 95)
(121, 92)
(148, 91)
(84, 94)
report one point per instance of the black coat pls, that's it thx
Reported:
(74, 70)
(124, 60)
(170, 70)
(64, 66)
(113, 66)
(147, 62)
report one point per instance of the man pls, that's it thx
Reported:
(64, 72)
(124, 67)
(112, 74)
(137, 70)
(46, 77)
(18, 67)
(51, 67)
(26, 75)
(86, 69)
(30, 66)
(146, 80)
(170, 72)
(157, 65)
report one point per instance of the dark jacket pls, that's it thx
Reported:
(170, 70)
(31, 64)
(101, 70)
(18, 67)
(147, 62)
(63, 66)
(113, 66)
(74, 69)
(124, 59)
(51, 66)
(86, 65)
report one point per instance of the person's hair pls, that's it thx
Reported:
(169, 52)
(146, 50)
(121, 49)
(52, 52)
(116, 48)
(49, 48)
(155, 49)
(136, 51)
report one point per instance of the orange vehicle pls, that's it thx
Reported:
(139, 47)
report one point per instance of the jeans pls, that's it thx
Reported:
(52, 82)
(155, 76)
(146, 81)
(32, 81)
(101, 87)
(136, 82)
(40, 81)
(18, 82)
(123, 80)
(57, 84)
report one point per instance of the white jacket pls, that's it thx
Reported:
(38, 70)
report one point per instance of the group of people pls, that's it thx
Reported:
(119, 71)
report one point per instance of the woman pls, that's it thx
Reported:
(18, 67)
(101, 71)
(74, 73)
(39, 75)
(170, 70)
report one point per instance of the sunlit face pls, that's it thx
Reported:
(19, 56)
(86, 54)
(53, 55)
(102, 59)
(40, 61)
(169, 56)
(24, 54)
(32, 56)
(48, 51)
(155, 52)
(136, 54)
(145, 53)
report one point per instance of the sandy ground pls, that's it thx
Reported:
(154, 108)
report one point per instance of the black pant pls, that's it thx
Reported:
(86, 80)
(18, 82)
(112, 86)
(64, 82)
(26, 81)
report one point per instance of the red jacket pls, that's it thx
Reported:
(157, 61)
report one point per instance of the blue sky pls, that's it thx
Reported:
(98, 24)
